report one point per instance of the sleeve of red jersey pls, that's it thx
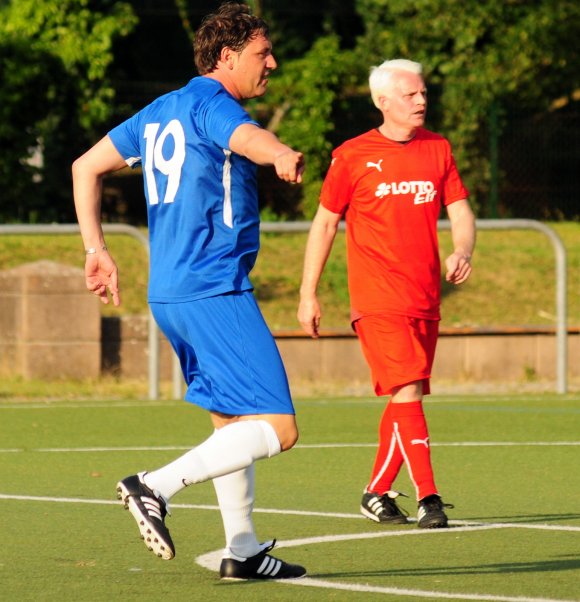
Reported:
(453, 189)
(337, 186)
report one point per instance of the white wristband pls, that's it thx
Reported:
(92, 250)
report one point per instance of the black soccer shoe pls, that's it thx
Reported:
(431, 514)
(383, 508)
(260, 566)
(149, 510)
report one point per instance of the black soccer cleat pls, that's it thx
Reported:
(149, 510)
(260, 566)
(383, 508)
(431, 514)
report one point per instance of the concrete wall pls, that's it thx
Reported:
(462, 357)
(49, 326)
(335, 362)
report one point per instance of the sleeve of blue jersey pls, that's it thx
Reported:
(222, 116)
(125, 138)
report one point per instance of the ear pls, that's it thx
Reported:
(227, 57)
(383, 102)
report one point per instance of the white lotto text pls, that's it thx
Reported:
(424, 191)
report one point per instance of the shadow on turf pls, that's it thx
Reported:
(570, 563)
(528, 518)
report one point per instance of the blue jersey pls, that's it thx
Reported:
(202, 201)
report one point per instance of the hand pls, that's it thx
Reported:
(309, 315)
(101, 274)
(458, 268)
(289, 166)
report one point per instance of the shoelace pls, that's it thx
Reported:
(436, 504)
(388, 500)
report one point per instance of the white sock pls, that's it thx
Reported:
(235, 493)
(231, 448)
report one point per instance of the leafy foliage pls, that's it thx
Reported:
(482, 55)
(54, 56)
(482, 58)
(301, 102)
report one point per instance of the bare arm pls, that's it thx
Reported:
(264, 148)
(320, 240)
(462, 220)
(88, 171)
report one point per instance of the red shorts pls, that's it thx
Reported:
(398, 349)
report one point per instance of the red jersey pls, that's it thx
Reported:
(391, 194)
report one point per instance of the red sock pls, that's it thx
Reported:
(410, 428)
(389, 458)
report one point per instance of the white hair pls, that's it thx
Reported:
(381, 77)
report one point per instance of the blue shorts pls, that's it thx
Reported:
(228, 355)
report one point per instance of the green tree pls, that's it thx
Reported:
(482, 55)
(301, 101)
(54, 93)
(315, 74)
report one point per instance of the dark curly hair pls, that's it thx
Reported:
(231, 26)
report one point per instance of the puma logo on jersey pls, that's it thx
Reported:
(424, 442)
(377, 166)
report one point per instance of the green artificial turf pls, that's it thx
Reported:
(507, 463)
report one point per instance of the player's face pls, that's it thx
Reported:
(253, 66)
(406, 105)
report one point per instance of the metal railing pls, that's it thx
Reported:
(286, 227)
(153, 334)
(503, 224)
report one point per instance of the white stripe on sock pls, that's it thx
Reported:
(392, 447)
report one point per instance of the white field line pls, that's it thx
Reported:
(212, 559)
(58, 404)
(461, 397)
(458, 525)
(395, 591)
(297, 447)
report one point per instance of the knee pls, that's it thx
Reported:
(286, 430)
(284, 426)
(288, 437)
